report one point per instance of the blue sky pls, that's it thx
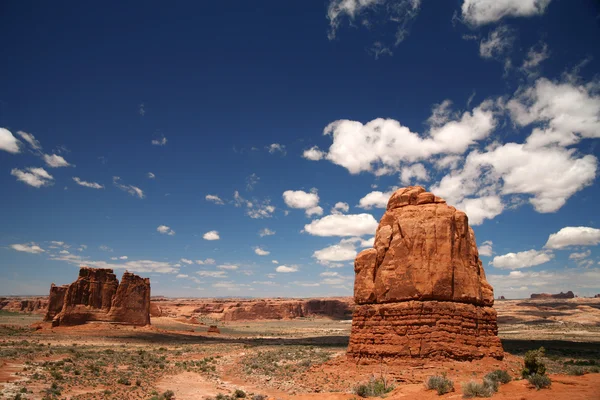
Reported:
(248, 148)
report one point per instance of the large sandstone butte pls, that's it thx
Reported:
(96, 295)
(421, 291)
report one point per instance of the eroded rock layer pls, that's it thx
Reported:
(421, 291)
(97, 296)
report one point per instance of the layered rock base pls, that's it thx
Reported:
(423, 329)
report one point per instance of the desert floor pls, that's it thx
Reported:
(292, 359)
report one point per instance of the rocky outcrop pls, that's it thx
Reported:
(23, 305)
(97, 296)
(286, 309)
(561, 295)
(421, 291)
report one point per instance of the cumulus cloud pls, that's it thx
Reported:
(418, 171)
(261, 252)
(8, 142)
(207, 261)
(498, 43)
(286, 269)
(300, 199)
(375, 199)
(573, 236)
(486, 248)
(340, 208)
(186, 261)
(277, 148)
(523, 259)
(182, 276)
(251, 181)
(55, 161)
(266, 232)
(29, 138)
(161, 141)
(132, 190)
(36, 177)
(580, 256)
(314, 211)
(535, 56)
(314, 154)
(212, 274)
(165, 230)
(336, 253)
(28, 248)
(481, 208)
(214, 198)
(92, 185)
(482, 12)
(229, 267)
(343, 225)
(211, 235)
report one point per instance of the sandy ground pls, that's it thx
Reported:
(294, 359)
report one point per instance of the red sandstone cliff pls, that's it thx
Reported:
(561, 295)
(421, 291)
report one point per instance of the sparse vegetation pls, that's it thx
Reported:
(440, 383)
(533, 363)
(499, 375)
(539, 381)
(374, 388)
(487, 388)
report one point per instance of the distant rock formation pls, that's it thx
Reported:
(97, 296)
(561, 295)
(421, 292)
(213, 329)
(501, 298)
(24, 305)
(284, 309)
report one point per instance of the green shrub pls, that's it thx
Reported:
(533, 363)
(487, 388)
(124, 381)
(259, 397)
(439, 383)
(539, 381)
(168, 395)
(239, 394)
(375, 387)
(576, 371)
(499, 375)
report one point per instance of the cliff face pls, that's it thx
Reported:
(33, 305)
(561, 295)
(286, 309)
(421, 291)
(97, 296)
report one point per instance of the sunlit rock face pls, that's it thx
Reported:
(421, 290)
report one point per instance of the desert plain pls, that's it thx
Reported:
(288, 358)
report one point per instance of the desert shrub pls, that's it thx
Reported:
(124, 381)
(499, 375)
(539, 381)
(138, 382)
(439, 383)
(534, 363)
(373, 388)
(239, 394)
(594, 370)
(487, 388)
(168, 395)
(259, 397)
(576, 371)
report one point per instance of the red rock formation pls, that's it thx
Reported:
(24, 305)
(97, 296)
(284, 309)
(421, 291)
(56, 300)
(213, 329)
(561, 295)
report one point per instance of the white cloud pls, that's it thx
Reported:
(520, 284)
(286, 269)
(343, 225)
(92, 185)
(417, 171)
(186, 261)
(229, 267)
(580, 256)
(375, 199)
(251, 181)
(229, 285)
(28, 248)
(8, 142)
(300, 199)
(329, 274)
(314, 211)
(380, 145)
(151, 175)
(138, 266)
(535, 56)
(276, 148)
(214, 198)
(261, 252)
(573, 236)
(162, 141)
(132, 190)
(55, 161)
(123, 258)
(523, 259)
(211, 235)
(400, 13)
(36, 177)
(182, 276)
(498, 42)
(208, 261)
(29, 138)
(368, 242)
(275, 261)
(563, 112)
(337, 252)
(213, 274)
(314, 154)
(340, 207)
(481, 12)
(165, 230)
(266, 232)
(105, 248)
(481, 208)
(486, 248)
